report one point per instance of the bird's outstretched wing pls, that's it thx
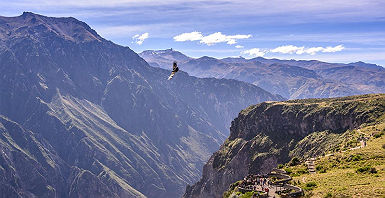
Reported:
(172, 75)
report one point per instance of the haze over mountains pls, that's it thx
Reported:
(83, 117)
(289, 78)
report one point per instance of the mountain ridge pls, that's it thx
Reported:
(65, 27)
(288, 78)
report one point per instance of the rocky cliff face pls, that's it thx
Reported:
(270, 133)
(84, 117)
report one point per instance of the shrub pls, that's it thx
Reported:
(247, 195)
(294, 182)
(366, 169)
(280, 166)
(373, 170)
(351, 143)
(354, 158)
(288, 170)
(227, 194)
(302, 171)
(322, 169)
(377, 135)
(362, 169)
(311, 184)
(294, 161)
(328, 195)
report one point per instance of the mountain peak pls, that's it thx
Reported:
(366, 65)
(35, 26)
(207, 58)
(29, 14)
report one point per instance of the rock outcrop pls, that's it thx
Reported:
(271, 133)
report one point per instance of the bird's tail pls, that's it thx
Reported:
(172, 75)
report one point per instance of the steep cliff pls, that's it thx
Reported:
(271, 133)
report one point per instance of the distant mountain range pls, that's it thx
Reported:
(289, 78)
(83, 117)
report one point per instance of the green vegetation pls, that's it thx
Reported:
(311, 184)
(294, 161)
(247, 195)
(227, 194)
(377, 135)
(232, 191)
(328, 195)
(366, 169)
(320, 169)
(358, 172)
(324, 142)
(354, 158)
(330, 130)
(347, 171)
(227, 152)
(297, 171)
(288, 171)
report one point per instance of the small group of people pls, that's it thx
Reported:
(258, 183)
(261, 181)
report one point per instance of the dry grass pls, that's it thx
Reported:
(342, 179)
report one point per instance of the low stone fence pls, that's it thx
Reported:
(261, 194)
(282, 181)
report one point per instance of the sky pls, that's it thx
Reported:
(328, 30)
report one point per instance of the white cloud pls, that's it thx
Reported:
(255, 52)
(239, 46)
(288, 49)
(334, 49)
(218, 37)
(192, 36)
(313, 50)
(139, 39)
(211, 39)
(291, 49)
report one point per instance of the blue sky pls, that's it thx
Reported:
(328, 30)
